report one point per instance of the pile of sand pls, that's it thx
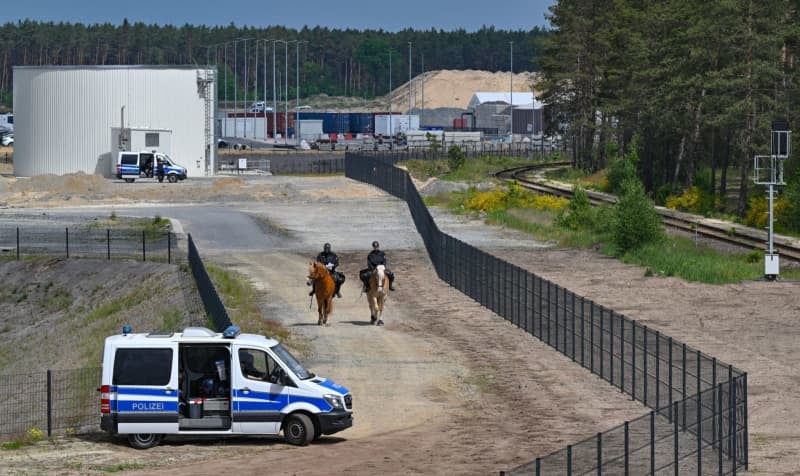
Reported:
(450, 88)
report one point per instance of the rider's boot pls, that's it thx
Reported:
(337, 293)
(311, 293)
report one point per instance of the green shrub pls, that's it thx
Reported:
(578, 214)
(621, 170)
(636, 221)
(455, 158)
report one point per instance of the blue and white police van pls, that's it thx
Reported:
(200, 382)
(133, 165)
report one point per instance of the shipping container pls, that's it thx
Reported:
(343, 122)
(328, 120)
(391, 125)
(361, 122)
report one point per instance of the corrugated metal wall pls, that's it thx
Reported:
(64, 115)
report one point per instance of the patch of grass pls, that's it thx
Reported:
(679, 257)
(14, 444)
(115, 468)
(171, 320)
(272, 228)
(242, 302)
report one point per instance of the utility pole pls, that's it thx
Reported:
(512, 94)
(391, 130)
(409, 84)
(768, 170)
(422, 110)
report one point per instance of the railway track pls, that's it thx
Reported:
(532, 178)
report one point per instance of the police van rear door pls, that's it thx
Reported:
(145, 381)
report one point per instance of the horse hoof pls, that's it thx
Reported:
(372, 319)
(380, 323)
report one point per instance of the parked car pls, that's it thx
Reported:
(260, 106)
(7, 140)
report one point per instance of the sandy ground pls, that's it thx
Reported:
(447, 387)
(450, 88)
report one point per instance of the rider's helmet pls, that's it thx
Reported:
(376, 245)
(326, 248)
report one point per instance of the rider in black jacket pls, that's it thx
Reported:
(331, 261)
(374, 258)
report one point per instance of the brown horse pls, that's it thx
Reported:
(377, 293)
(321, 279)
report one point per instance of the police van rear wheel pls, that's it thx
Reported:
(298, 430)
(143, 441)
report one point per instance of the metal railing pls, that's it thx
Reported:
(83, 242)
(215, 309)
(49, 401)
(698, 402)
(67, 400)
(301, 162)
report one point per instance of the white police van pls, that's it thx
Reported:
(133, 165)
(200, 382)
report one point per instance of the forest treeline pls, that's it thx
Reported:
(696, 85)
(335, 62)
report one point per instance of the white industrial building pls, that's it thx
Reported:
(77, 118)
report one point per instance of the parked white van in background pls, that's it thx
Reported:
(200, 382)
(134, 165)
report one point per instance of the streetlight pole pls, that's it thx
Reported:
(511, 110)
(409, 85)
(244, 99)
(391, 130)
(225, 122)
(422, 111)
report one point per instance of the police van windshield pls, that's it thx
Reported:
(292, 363)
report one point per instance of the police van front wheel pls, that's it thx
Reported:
(298, 429)
(143, 441)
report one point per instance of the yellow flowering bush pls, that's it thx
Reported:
(34, 434)
(689, 201)
(757, 214)
(514, 197)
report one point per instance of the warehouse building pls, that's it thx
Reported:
(77, 118)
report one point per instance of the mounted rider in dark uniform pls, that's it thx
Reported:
(374, 258)
(331, 261)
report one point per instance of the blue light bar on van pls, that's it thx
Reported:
(126, 330)
(231, 332)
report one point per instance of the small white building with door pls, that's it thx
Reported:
(77, 118)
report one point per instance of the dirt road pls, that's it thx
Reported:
(447, 387)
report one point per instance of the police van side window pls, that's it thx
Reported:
(129, 159)
(142, 367)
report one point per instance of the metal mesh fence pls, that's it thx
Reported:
(50, 401)
(87, 242)
(214, 307)
(695, 393)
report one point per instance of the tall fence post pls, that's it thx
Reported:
(622, 354)
(611, 347)
(683, 382)
(49, 403)
(538, 466)
(746, 455)
(652, 442)
(633, 360)
(599, 454)
(675, 438)
(144, 255)
(644, 365)
(169, 248)
(699, 434)
(720, 418)
(108, 244)
(66, 240)
(569, 460)
(627, 448)
(17, 243)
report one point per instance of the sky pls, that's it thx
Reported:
(448, 15)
